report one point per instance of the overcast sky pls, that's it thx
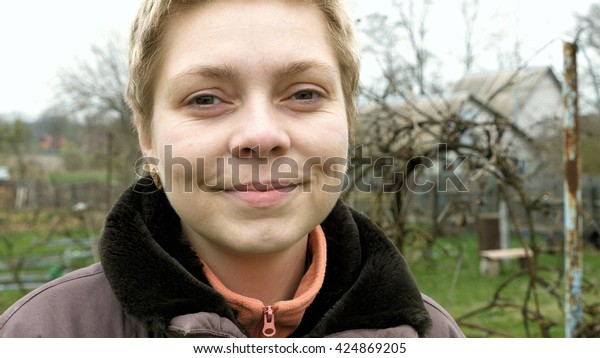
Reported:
(37, 37)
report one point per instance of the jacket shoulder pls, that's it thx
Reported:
(79, 304)
(442, 324)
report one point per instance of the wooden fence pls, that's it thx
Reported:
(38, 194)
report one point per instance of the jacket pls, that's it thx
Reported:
(150, 283)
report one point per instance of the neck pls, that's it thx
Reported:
(269, 278)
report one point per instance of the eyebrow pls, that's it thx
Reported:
(229, 72)
(298, 67)
(217, 72)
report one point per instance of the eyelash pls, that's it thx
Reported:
(315, 96)
(193, 100)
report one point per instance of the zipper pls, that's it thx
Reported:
(269, 329)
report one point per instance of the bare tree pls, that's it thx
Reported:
(389, 37)
(14, 140)
(94, 89)
(458, 138)
(414, 25)
(470, 12)
(406, 141)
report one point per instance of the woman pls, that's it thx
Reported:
(244, 113)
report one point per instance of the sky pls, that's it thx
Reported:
(39, 37)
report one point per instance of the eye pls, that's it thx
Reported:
(306, 95)
(205, 100)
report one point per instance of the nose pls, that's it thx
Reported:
(261, 132)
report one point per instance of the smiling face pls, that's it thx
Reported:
(249, 124)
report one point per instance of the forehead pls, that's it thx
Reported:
(239, 31)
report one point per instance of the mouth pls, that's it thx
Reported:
(262, 195)
(263, 187)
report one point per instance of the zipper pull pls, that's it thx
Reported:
(269, 329)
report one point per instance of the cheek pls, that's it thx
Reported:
(335, 161)
(190, 160)
(336, 142)
(180, 141)
(330, 131)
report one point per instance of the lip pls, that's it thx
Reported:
(261, 195)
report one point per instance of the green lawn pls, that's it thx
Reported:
(48, 241)
(462, 289)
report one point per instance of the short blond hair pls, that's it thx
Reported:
(146, 42)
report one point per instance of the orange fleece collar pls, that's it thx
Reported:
(257, 319)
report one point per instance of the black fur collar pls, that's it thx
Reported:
(156, 275)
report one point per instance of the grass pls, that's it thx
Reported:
(41, 237)
(7, 298)
(462, 289)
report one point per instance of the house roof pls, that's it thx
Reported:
(436, 107)
(497, 88)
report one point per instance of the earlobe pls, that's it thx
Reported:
(150, 162)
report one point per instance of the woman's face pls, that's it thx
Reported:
(249, 123)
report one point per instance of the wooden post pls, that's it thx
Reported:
(573, 224)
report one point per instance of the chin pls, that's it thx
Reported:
(269, 243)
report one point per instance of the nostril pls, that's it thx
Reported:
(259, 144)
(256, 151)
(243, 152)
(277, 149)
(246, 153)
